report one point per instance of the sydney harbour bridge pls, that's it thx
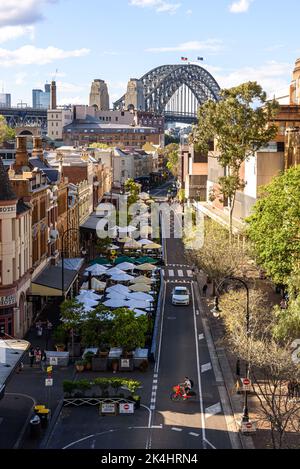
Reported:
(176, 92)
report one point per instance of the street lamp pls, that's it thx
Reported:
(216, 312)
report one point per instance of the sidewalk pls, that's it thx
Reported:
(227, 362)
(27, 388)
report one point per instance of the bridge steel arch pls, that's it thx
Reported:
(161, 83)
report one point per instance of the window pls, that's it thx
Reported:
(122, 113)
(117, 119)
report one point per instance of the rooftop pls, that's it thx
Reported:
(11, 352)
(6, 191)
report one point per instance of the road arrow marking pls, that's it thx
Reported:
(206, 367)
(213, 410)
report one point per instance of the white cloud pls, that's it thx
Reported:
(7, 33)
(210, 45)
(271, 76)
(240, 6)
(21, 12)
(20, 78)
(72, 100)
(31, 55)
(161, 6)
(189, 12)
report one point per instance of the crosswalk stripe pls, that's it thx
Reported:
(190, 273)
(180, 273)
(171, 273)
(206, 367)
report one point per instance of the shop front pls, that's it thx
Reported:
(8, 303)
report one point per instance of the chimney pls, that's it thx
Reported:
(53, 103)
(21, 154)
(38, 148)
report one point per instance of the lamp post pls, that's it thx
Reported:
(216, 313)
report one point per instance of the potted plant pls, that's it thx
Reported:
(60, 337)
(80, 365)
(88, 357)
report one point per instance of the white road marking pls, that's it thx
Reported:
(154, 388)
(152, 407)
(155, 381)
(180, 273)
(157, 426)
(206, 367)
(171, 273)
(210, 444)
(198, 369)
(197, 312)
(190, 273)
(201, 336)
(176, 429)
(213, 410)
(194, 434)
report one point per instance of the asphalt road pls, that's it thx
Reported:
(185, 350)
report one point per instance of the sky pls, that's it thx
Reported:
(77, 41)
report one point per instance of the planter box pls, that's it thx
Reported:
(99, 364)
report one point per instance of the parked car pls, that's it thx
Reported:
(181, 296)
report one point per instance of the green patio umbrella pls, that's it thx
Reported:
(120, 260)
(146, 260)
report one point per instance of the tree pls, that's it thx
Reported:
(128, 331)
(274, 227)
(6, 132)
(217, 258)
(240, 125)
(97, 328)
(134, 190)
(72, 314)
(170, 153)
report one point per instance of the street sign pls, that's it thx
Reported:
(126, 408)
(248, 427)
(247, 385)
(108, 408)
(49, 382)
(54, 361)
(49, 369)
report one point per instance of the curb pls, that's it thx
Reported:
(25, 426)
(228, 378)
(45, 441)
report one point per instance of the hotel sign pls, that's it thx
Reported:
(8, 300)
(8, 209)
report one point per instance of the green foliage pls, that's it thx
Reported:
(71, 314)
(60, 335)
(6, 132)
(128, 331)
(169, 139)
(132, 385)
(287, 328)
(69, 386)
(101, 146)
(274, 227)
(240, 124)
(134, 190)
(96, 328)
(171, 154)
(102, 245)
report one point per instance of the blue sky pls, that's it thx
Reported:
(121, 39)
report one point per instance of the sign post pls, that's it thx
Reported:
(247, 385)
(248, 427)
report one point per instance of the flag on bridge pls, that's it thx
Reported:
(200, 58)
(184, 59)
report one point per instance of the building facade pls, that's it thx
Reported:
(99, 97)
(5, 100)
(40, 98)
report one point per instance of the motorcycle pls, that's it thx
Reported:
(179, 392)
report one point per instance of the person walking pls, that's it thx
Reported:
(31, 356)
(204, 290)
(38, 355)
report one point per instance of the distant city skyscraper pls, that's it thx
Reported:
(5, 100)
(40, 98)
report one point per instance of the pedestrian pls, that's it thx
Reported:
(43, 360)
(204, 290)
(31, 356)
(38, 355)
(49, 325)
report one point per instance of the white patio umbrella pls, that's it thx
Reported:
(126, 229)
(96, 270)
(145, 241)
(152, 246)
(139, 312)
(126, 266)
(140, 296)
(122, 277)
(117, 296)
(132, 245)
(114, 271)
(138, 304)
(116, 303)
(144, 196)
(118, 289)
(88, 294)
(113, 247)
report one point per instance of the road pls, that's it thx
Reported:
(185, 349)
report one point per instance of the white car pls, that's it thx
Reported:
(181, 296)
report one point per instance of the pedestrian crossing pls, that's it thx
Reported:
(172, 272)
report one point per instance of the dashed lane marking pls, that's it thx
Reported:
(206, 367)
(194, 434)
(171, 273)
(201, 336)
(176, 429)
(213, 410)
(152, 407)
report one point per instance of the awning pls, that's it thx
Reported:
(72, 264)
(11, 353)
(49, 282)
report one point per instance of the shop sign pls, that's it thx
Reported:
(11, 209)
(108, 408)
(8, 300)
